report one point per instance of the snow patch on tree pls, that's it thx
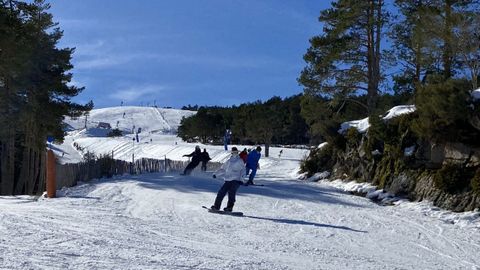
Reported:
(362, 125)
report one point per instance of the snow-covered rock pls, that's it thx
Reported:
(320, 146)
(319, 176)
(476, 94)
(362, 125)
(399, 110)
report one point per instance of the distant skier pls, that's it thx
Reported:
(252, 164)
(280, 153)
(205, 159)
(227, 138)
(231, 171)
(196, 158)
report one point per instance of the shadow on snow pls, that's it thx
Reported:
(301, 222)
(275, 189)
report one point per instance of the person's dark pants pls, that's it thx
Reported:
(190, 167)
(204, 165)
(252, 174)
(231, 188)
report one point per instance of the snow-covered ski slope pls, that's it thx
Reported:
(150, 119)
(157, 139)
(155, 221)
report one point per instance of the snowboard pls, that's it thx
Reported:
(237, 214)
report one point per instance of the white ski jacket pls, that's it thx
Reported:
(232, 169)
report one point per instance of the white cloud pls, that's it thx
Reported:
(90, 49)
(134, 93)
(76, 23)
(101, 62)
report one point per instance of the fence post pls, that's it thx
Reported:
(51, 175)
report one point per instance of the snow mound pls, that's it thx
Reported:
(320, 146)
(466, 219)
(319, 176)
(399, 110)
(469, 219)
(362, 125)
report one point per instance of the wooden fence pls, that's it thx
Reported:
(68, 175)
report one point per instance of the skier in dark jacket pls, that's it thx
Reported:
(196, 158)
(205, 159)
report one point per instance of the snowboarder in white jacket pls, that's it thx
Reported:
(232, 172)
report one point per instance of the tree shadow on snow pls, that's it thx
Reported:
(302, 222)
(291, 189)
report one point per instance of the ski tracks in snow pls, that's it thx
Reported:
(155, 221)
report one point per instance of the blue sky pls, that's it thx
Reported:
(209, 52)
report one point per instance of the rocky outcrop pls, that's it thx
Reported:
(411, 176)
(425, 190)
(433, 155)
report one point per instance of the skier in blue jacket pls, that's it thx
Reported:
(252, 164)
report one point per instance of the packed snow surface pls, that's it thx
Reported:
(155, 221)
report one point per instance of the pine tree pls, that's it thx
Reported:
(346, 58)
(411, 43)
(263, 123)
(468, 45)
(447, 17)
(34, 75)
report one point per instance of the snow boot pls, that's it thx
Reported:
(228, 209)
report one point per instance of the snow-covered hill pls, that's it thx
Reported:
(157, 139)
(150, 119)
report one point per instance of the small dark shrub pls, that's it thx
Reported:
(353, 137)
(106, 163)
(443, 109)
(451, 178)
(318, 160)
(89, 156)
(375, 135)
